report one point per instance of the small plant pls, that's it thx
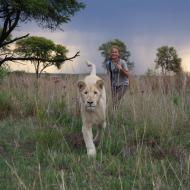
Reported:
(175, 99)
(41, 115)
(5, 103)
(3, 73)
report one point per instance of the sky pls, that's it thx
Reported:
(143, 25)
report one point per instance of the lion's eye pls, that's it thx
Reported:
(95, 92)
(85, 92)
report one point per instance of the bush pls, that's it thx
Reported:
(3, 73)
(5, 103)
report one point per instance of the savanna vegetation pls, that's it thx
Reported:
(49, 15)
(145, 145)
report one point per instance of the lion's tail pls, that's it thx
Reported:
(93, 71)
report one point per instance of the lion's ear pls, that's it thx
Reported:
(100, 84)
(81, 85)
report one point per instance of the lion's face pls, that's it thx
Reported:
(90, 94)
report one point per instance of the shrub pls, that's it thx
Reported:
(5, 103)
(3, 73)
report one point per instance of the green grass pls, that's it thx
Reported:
(38, 158)
(146, 144)
(34, 157)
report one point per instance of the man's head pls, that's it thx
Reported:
(115, 53)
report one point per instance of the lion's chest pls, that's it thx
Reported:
(94, 117)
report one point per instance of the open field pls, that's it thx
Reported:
(146, 144)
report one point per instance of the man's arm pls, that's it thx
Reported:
(123, 69)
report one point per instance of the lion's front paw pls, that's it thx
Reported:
(91, 152)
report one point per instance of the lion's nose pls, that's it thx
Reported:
(90, 102)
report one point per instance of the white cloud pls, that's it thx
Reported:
(74, 41)
(143, 49)
(184, 53)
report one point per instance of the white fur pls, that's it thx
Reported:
(93, 107)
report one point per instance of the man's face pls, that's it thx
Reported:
(114, 53)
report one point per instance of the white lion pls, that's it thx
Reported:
(93, 107)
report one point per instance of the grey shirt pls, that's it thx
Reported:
(118, 77)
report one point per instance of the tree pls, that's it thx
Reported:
(168, 60)
(150, 72)
(42, 49)
(105, 49)
(48, 14)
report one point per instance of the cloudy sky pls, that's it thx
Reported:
(143, 25)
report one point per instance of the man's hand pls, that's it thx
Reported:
(119, 66)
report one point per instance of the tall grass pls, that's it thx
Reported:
(145, 145)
